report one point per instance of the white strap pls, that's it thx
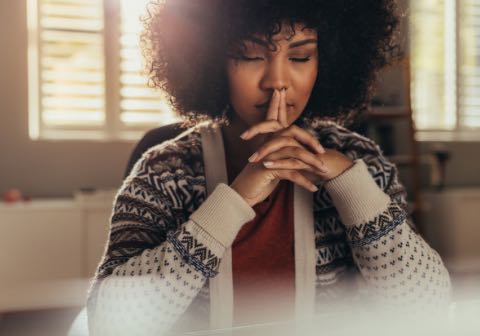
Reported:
(221, 286)
(305, 261)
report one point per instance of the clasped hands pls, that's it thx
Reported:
(290, 153)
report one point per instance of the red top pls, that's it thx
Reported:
(263, 261)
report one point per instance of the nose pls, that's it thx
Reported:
(275, 76)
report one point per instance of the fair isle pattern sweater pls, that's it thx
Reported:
(167, 239)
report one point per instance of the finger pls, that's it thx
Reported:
(267, 126)
(282, 111)
(274, 145)
(313, 176)
(291, 164)
(298, 153)
(272, 113)
(304, 137)
(295, 177)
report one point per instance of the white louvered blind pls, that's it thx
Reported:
(139, 105)
(82, 85)
(470, 64)
(71, 74)
(445, 65)
(428, 63)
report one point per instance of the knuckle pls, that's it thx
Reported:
(270, 157)
(297, 151)
(272, 173)
(296, 163)
(282, 139)
(293, 162)
(285, 141)
(292, 142)
(294, 174)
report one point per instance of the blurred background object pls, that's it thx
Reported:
(440, 155)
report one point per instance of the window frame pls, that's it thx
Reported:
(112, 130)
(459, 133)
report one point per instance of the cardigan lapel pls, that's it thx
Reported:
(305, 261)
(221, 286)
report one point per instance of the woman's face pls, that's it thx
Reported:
(255, 73)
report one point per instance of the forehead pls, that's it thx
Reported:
(289, 33)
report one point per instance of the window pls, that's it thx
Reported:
(85, 71)
(445, 63)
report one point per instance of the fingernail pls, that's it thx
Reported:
(314, 188)
(268, 163)
(244, 135)
(253, 157)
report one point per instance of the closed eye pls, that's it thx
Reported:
(293, 59)
(245, 58)
(301, 60)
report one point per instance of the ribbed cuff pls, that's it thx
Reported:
(356, 195)
(223, 214)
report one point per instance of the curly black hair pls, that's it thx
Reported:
(185, 44)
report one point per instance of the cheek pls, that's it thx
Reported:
(306, 78)
(236, 81)
(242, 88)
(239, 92)
(305, 81)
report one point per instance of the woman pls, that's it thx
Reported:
(271, 209)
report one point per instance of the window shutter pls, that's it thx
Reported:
(140, 105)
(445, 54)
(430, 65)
(86, 77)
(71, 74)
(469, 88)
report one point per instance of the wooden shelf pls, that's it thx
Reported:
(389, 112)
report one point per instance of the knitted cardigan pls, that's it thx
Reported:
(167, 262)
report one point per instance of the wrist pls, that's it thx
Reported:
(356, 196)
(342, 168)
(238, 190)
(222, 214)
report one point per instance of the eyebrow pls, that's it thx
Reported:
(291, 46)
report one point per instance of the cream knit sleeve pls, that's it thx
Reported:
(398, 266)
(156, 261)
